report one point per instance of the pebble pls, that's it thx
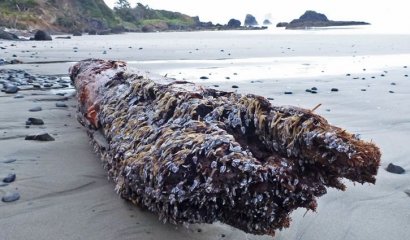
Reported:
(11, 197)
(391, 91)
(61, 105)
(235, 86)
(35, 121)
(395, 169)
(45, 137)
(314, 88)
(105, 52)
(12, 160)
(269, 98)
(348, 74)
(35, 109)
(216, 85)
(288, 92)
(19, 96)
(406, 75)
(10, 178)
(363, 90)
(204, 77)
(334, 90)
(60, 94)
(407, 192)
(308, 90)
(393, 84)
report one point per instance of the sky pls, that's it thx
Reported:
(392, 15)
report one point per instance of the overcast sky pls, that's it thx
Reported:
(393, 14)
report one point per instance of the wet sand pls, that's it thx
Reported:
(65, 193)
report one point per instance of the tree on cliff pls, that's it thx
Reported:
(121, 4)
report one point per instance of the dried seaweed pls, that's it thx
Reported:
(198, 155)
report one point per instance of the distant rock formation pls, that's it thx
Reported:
(314, 19)
(282, 24)
(234, 23)
(267, 22)
(250, 20)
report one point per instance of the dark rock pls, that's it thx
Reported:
(40, 137)
(41, 35)
(282, 24)
(11, 89)
(348, 74)
(234, 23)
(35, 121)
(19, 96)
(314, 19)
(204, 77)
(11, 197)
(35, 109)
(10, 178)
(313, 91)
(235, 86)
(250, 20)
(8, 36)
(391, 91)
(65, 37)
(363, 90)
(92, 32)
(288, 92)
(2, 184)
(406, 75)
(308, 90)
(334, 90)
(314, 88)
(267, 22)
(269, 98)
(407, 191)
(393, 84)
(395, 169)
(77, 34)
(61, 105)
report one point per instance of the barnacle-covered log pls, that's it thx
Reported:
(198, 155)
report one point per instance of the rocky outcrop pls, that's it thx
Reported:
(234, 23)
(41, 35)
(267, 22)
(8, 36)
(313, 19)
(250, 20)
(282, 24)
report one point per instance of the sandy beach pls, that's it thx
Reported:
(65, 193)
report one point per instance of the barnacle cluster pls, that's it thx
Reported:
(198, 155)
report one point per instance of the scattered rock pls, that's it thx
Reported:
(45, 137)
(406, 75)
(288, 92)
(235, 86)
(363, 90)
(203, 78)
(10, 178)
(267, 22)
(393, 84)
(35, 109)
(314, 88)
(395, 169)
(2, 184)
(282, 24)
(11, 89)
(64, 37)
(77, 34)
(61, 105)
(41, 35)
(308, 90)
(391, 91)
(334, 90)
(269, 98)
(8, 36)
(105, 52)
(10, 160)
(35, 121)
(407, 191)
(348, 74)
(11, 197)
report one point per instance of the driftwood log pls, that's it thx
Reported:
(199, 155)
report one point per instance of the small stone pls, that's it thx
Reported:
(314, 88)
(391, 91)
(235, 86)
(216, 85)
(12, 160)
(308, 90)
(105, 52)
(11, 89)
(48, 85)
(363, 90)
(35, 121)
(393, 84)
(288, 92)
(40, 137)
(382, 75)
(19, 96)
(407, 191)
(10, 178)
(140, 48)
(395, 169)
(406, 75)
(227, 78)
(269, 98)
(334, 90)
(60, 94)
(203, 78)
(348, 75)
(35, 109)
(313, 92)
(223, 235)
(11, 197)
(61, 105)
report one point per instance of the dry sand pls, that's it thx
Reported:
(65, 193)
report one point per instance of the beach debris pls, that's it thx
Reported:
(11, 177)
(10, 197)
(198, 155)
(35, 109)
(44, 137)
(395, 169)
